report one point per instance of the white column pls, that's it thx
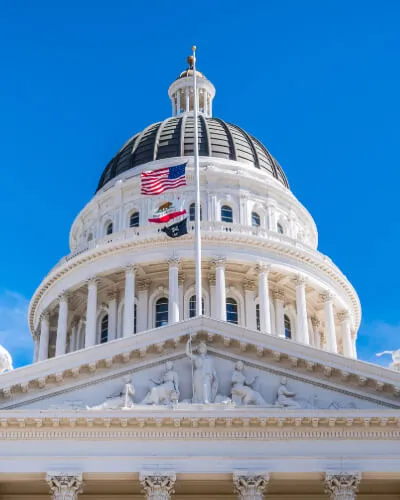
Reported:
(129, 302)
(36, 340)
(329, 322)
(91, 313)
(302, 334)
(316, 324)
(250, 485)
(187, 99)
(61, 341)
(112, 315)
(354, 344)
(249, 304)
(345, 322)
(173, 299)
(143, 305)
(213, 299)
(220, 287)
(181, 282)
(279, 299)
(178, 100)
(343, 485)
(263, 294)
(158, 485)
(64, 486)
(210, 107)
(271, 217)
(74, 331)
(44, 337)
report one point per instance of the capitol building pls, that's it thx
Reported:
(132, 395)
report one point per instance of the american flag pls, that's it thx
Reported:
(163, 179)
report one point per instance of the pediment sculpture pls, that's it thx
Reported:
(164, 390)
(123, 400)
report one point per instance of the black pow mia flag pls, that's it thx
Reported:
(177, 229)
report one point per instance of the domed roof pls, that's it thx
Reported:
(174, 137)
(188, 73)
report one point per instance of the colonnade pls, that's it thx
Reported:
(218, 310)
(181, 101)
(246, 485)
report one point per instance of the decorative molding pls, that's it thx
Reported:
(158, 485)
(64, 485)
(250, 485)
(143, 285)
(342, 485)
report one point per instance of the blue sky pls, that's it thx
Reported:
(317, 82)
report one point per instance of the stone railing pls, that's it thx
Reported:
(210, 229)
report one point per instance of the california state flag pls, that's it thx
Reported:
(166, 212)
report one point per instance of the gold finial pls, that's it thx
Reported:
(191, 61)
(194, 48)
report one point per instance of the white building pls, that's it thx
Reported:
(268, 398)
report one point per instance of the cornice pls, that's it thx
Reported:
(278, 245)
(199, 424)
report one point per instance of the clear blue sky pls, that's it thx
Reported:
(317, 82)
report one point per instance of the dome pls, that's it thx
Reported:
(174, 137)
(188, 73)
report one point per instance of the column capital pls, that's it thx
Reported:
(219, 261)
(45, 316)
(278, 294)
(158, 485)
(299, 280)
(250, 485)
(263, 268)
(212, 280)
(342, 485)
(93, 281)
(343, 316)
(326, 296)
(131, 269)
(249, 286)
(64, 485)
(173, 261)
(181, 279)
(316, 323)
(143, 285)
(63, 297)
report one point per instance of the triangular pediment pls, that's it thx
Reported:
(97, 378)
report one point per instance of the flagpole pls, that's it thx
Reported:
(197, 234)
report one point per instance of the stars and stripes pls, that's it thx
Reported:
(157, 181)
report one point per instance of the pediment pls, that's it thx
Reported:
(96, 378)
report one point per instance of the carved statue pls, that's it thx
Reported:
(205, 381)
(164, 390)
(5, 360)
(285, 398)
(242, 391)
(395, 365)
(124, 400)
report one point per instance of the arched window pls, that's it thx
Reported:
(255, 219)
(231, 311)
(258, 317)
(192, 212)
(226, 213)
(279, 228)
(288, 327)
(192, 306)
(109, 228)
(162, 312)
(134, 219)
(104, 330)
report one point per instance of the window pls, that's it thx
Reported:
(104, 330)
(90, 237)
(162, 312)
(231, 311)
(109, 228)
(134, 220)
(258, 317)
(279, 228)
(192, 212)
(288, 327)
(255, 219)
(192, 306)
(226, 214)
(134, 318)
